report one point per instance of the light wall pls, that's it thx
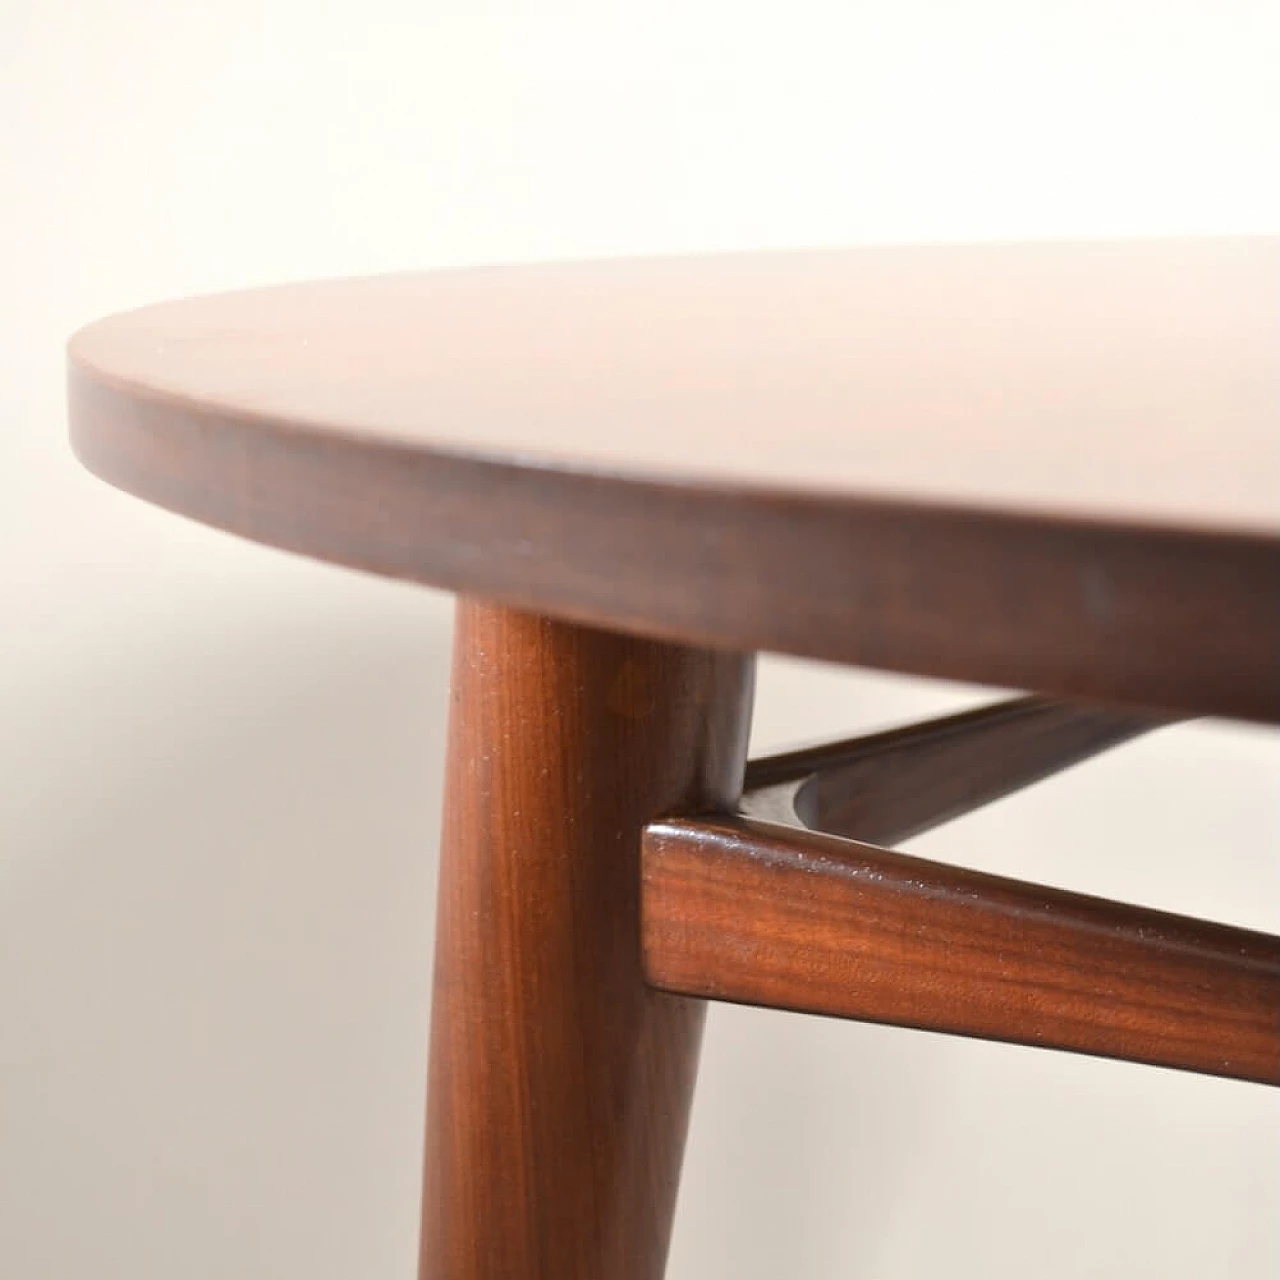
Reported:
(221, 765)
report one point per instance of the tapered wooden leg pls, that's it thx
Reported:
(559, 1083)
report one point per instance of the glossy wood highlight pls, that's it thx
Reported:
(887, 787)
(560, 1083)
(736, 909)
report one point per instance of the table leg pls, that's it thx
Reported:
(560, 1083)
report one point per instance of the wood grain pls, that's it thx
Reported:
(736, 909)
(885, 787)
(1040, 467)
(560, 1083)
(1123, 381)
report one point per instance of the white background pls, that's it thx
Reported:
(220, 765)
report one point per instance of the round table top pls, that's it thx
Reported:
(1040, 465)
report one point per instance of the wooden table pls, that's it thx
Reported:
(1049, 467)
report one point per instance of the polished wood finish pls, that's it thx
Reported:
(560, 1083)
(1122, 381)
(1035, 466)
(737, 909)
(887, 787)
(1048, 467)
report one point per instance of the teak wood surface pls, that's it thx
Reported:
(887, 787)
(1038, 466)
(1048, 467)
(737, 909)
(560, 1083)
